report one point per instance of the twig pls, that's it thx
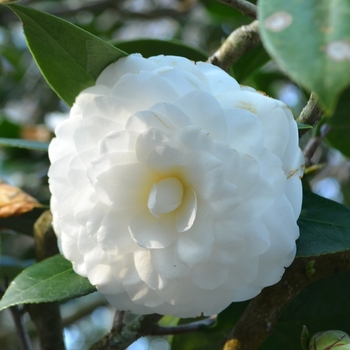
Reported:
(185, 328)
(248, 9)
(314, 142)
(311, 114)
(21, 331)
(236, 45)
(259, 318)
(134, 327)
(46, 316)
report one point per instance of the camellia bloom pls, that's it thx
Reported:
(174, 189)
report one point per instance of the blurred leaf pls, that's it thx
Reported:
(153, 47)
(11, 267)
(20, 143)
(14, 202)
(249, 63)
(338, 137)
(310, 41)
(324, 226)
(323, 305)
(69, 58)
(50, 280)
(304, 126)
(23, 223)
(222, 12)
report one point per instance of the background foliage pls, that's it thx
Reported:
(287, 67)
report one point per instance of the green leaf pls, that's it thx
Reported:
(310, 41)
(50, 280)
(19, 143)
(69, 58)
(304, 126)
(153, 47)
(324, 226)
(323, 305)
(338, 137)
(250, 63)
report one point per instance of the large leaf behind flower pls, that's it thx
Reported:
(69, 58)
(52, 279)
(324, 226)
(310, 41)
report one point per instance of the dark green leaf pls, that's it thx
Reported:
(324, 305)
(338, 137)
(153, 47)
(310, 41)
(210, 337)
(19, 143)
(249, 63)
(324, 226)
(69, 58)
(50, 280)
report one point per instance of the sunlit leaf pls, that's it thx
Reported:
(50, 280)
(310, 41)
(69, 58)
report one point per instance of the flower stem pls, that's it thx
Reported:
(247, 8)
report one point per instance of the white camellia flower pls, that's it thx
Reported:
(174, 189)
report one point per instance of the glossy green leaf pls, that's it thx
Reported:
(324, 226)
(310, 41)
(338, 137)
(323, 305)
(50, 280)
(153, 47)
(69, 58)
(19, 143)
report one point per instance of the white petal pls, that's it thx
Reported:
(186, 214)
(113, 233)
(131, 64)
(146, 270)
(220, 82)
(204, 111)
(150, 232)
(194, 246)
(147, 86)
(118, 141)
(209, 275)
(125, 186)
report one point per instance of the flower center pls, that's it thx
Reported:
(165, 196)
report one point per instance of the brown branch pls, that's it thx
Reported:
(261, 315)
(311, 114)
(236, 45)
(246, 8)
(46, 316)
